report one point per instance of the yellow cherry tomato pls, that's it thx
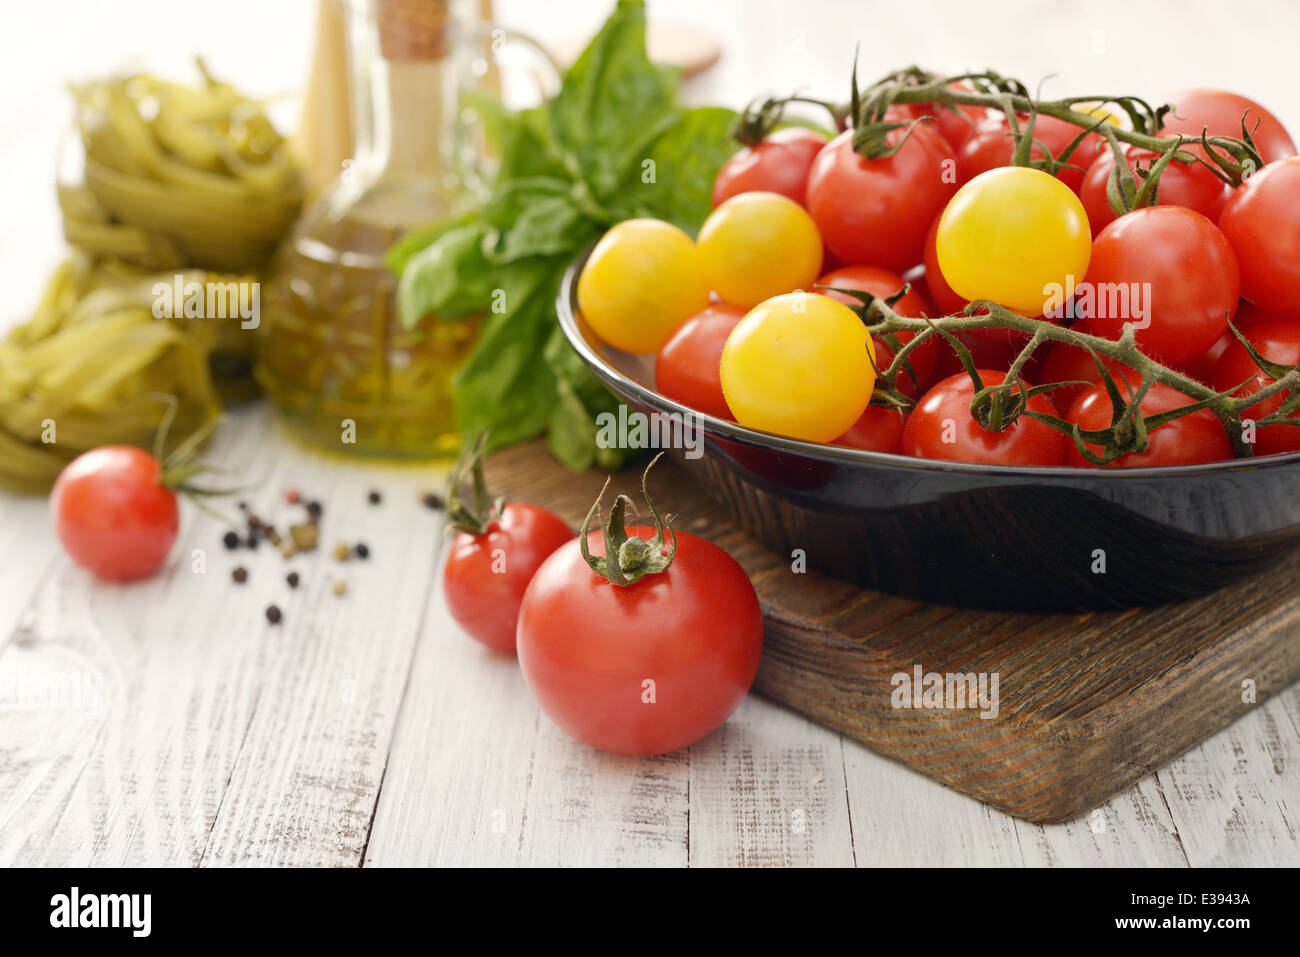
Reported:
(1009, 235)
(758, 245)
(799, 365)
(641, 282)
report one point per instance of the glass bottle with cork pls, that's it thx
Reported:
(334, 357)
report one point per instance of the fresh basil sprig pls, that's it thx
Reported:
(612, 145)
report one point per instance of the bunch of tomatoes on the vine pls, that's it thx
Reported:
(965, 272)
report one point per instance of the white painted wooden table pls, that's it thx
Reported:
(368, 730)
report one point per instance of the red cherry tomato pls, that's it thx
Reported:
(686, 369)
(1066, 363)
(1278, 341)
(883, 283)
(992, 146)
(1220, 113)
(879, 430)
(876, 212)
(779, 164)
(1262, 222)
(954, 124)
(646, 668)
(1181, 184)
(1191, 440)
(1249, 314)
(113, 514)
(1202, 367)
(1170, 272)
(486, 575)
(948, 302)
(942, 427)
(989, 351)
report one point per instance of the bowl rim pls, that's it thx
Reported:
(567, 312)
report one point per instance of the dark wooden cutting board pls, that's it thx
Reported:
(1087, 703)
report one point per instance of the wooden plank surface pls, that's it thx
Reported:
(190, 717)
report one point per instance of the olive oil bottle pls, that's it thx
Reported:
(333, 356)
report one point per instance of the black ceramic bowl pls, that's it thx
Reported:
(1003, 537)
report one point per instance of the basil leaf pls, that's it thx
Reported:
(608, 101)
(449, 279)
(503, 388)
(675, 180)
(572, 430)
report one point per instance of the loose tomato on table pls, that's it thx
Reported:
(1191, 440)
(1262, 223)
(883, 284)
(497, 549)
(758, 245)
(1277, 341)
(639, 640)
(114, 512)
(1220, 113)
(875, 212)
(687, 367)
(1191, 185)
(1010, 235)
(1170, 272)
(643, 279)
(942, 427)
(778, 163)
(799, 365)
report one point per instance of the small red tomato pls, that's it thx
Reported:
(1067, 363)
(646, 667)
(495, 553)
(687, 367)
(1262, 222)
(113, 513)
(948, 302)
(874, 212)
(487, 572)
(1170, 272)
(883, 283)
(954, 124)
(1249, 314)
(942, 427)
(779, 164)
(1193, 439)
(990, 348)
(1221, 113)
(1190, 185)
(1202, 367)
(880, 429)
(1278, 341)
(992, 146)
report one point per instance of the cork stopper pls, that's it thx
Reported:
(414, 30)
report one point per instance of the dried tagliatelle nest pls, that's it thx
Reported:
(94, 366)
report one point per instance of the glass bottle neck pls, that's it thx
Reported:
(404, 106)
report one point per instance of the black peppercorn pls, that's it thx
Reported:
(292, 579)
(273, 614)
(374, 497)
(240, 575)
(361, 550)
(431, 500)
(231, 540)
(314, 509)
